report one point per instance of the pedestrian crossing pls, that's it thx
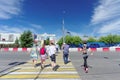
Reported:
(28, 72)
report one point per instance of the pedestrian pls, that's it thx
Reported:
(43, 56)
(65, 48)
(34, 54)
(57, 48)
(85, 57)
(51, 52)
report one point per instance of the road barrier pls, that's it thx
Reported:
(106, 49)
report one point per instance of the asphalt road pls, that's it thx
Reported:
(102, 65)
(9, 60)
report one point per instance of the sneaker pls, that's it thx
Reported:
(86, 70)
(42, 67)
(35, 66)
(54, 68)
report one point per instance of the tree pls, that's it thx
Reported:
(91, 39)
(26, 39)
(68, 39)
(60, 41)
(47, 41)
(16, 42)
(110, 39)
(76, 40)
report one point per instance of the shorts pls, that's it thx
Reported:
(53, 58)
(34, 56)
(85, 55)
(43, 57)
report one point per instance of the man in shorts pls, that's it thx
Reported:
(51, 52)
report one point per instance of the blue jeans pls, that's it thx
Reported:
(65, 58)
(85, 56)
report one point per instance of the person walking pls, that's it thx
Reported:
(34, 54)
(65, 48)
(57, 48)
(85, 57)
(43, 56)
(51, 52)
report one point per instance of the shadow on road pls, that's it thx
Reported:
(10, 72)
(39, 64)
(13, 64)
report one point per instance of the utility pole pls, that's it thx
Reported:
(63, 29)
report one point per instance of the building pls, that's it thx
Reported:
(45, 36)
(9, 38)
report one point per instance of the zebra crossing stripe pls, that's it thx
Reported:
(43, 73)
(43, 79)
(28, 72)
(48, 76)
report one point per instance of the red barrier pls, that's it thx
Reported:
(24, 49)
(117, 49)
(5, 49)
(15, 49)
(93, 49)
(106, 49)
(79, 49)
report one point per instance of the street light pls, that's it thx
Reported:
(68, 33)
(63, 29)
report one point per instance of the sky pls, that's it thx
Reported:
(81, 17)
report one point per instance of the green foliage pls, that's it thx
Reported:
(26, 39)
(91, 39)
(70, 40)
(102, 39)
(110, 39)
(76, 40)
(47, 41)
(60, 42)
(16, 42)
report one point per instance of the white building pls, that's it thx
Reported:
(9, 38)
(45, 36)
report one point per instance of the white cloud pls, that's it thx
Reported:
(36, 26)
(107, 10)
(16, 29)
(8, 8)
(113, 27)
(107, 16)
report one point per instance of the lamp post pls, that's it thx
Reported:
(63, 29)
(69, 33)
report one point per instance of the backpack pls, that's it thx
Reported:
(42, 51)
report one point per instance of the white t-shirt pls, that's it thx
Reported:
(51, 50)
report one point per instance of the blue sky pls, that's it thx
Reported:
(81, 17)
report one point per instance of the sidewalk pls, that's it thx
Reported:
(28, 72)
